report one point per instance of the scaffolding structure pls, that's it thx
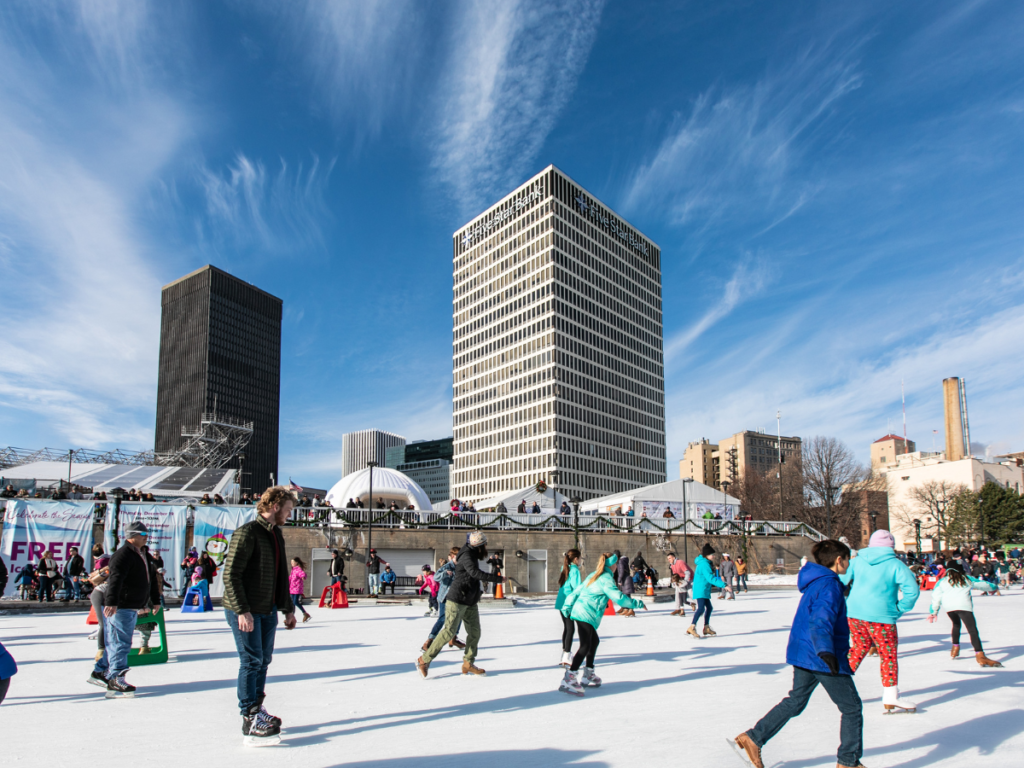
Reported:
(213, 444)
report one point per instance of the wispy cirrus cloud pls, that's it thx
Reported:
(511, 69)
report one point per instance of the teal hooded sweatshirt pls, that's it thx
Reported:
(588, 602)
(879, 578)
(571, 582)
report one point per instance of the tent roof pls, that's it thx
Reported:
(176, 482)
(387, 482)
(697, 493)
(512, 499)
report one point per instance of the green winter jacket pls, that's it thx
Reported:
(569, 587)
(250, 585)
(588, 602)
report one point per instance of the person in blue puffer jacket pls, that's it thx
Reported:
(7, 670)
(568, 580)
(703, 580)
(882, 589)
(586, 606)
(819, 642)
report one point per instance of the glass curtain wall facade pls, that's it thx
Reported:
(357, 448)
(557, 352)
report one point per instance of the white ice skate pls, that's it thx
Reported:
(570, 684)
(566, 659)
(590, 678)
(893, 703)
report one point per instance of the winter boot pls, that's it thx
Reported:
(469, 668)
(676, 612)
(570, 684)
(266, 715)
(456, 643)
(566, 659)
(119, 688)
(747, 749)
(258, 731)
(709, 631)
(306, 617)
(692, 630)
(422, 666)
(985, 661)
(426, 645)
(98, 679)
(893, 703)
(954, 652)
(590, 678)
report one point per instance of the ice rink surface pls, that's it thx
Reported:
(346, 688)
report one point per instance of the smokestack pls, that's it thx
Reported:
(954, 396)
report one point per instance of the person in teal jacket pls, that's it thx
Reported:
(568, 580)
(882, 589)
(586, 606)
(953, 592)
(703, 580)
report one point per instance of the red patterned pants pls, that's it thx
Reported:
(863, 635)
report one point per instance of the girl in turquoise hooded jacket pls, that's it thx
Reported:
(703, 580)
(586, 606)
(568, 580)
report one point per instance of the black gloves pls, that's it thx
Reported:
(830, 661)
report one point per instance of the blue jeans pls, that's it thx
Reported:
(841, 690)
(704, 608)
(255, 651)
(297, 602)
(117, 641)
(439, 624)
(76, 587)
(374, 583)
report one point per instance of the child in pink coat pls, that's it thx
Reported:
(297, 586)
(429, 582)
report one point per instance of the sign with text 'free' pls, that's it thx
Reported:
(32, 527)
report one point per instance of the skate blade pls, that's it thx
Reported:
(591, 685)
(742, 754)
(572, 693)
(120, 695)
(97, 683)
(899, 711)
(261, 741)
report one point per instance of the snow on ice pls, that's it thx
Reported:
(349, 695)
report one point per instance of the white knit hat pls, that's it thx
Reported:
(477, 538)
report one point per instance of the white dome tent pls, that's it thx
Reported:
(388, 484)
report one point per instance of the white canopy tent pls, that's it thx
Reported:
(550, 501)
(388, 484)
(656, 499)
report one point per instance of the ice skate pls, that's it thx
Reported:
(590, 679)
(985, 661)
(692, 630)
(273, 720)
(306, 618)
(954, 651)
(257, 731)
(566, 659)
(98, 679)
(456, 643)
(708, 631)
(119, 688)
(676, 612)
(748, 751)
(628, 612)
(425, 645)
(469, 668)
(893, 703)
(422, 666)
(570, 684)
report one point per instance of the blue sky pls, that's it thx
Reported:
(836, 191)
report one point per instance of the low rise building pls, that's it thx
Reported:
(729, 459)
(885, 450)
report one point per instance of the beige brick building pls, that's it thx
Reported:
(885, 450)
(711, 463)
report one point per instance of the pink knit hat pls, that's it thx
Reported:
(882, 539)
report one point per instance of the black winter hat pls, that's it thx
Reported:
(707, 550)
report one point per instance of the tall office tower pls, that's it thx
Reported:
(357, 448)
(557, 353)
(220, 353)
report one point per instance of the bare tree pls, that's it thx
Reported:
(947, 511)
(759, 492)
(829, 467)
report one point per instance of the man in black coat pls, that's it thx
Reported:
(461, 605)
(75, 570)
(130, 588)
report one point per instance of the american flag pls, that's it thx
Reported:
(293, 486)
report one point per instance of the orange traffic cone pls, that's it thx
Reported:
(339, 597)
(91, 618)
(499, 593)
(650, 587)
(610, 610)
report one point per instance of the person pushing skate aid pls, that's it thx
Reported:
(819, 643)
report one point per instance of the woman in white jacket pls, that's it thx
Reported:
(954, 593)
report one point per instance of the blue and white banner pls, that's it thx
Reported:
(167, 524)
(33, 526)
(214, 527)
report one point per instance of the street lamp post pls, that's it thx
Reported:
(369, 535)
(917, 537)
(576, 500)
(70, 454)
(686, 519)
(725, 498)
(118, 494)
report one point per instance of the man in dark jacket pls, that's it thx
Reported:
(461, 605)
(255, 590)
(336, 570)
(130, 588)
(373, 564)
(75, 570)
(819, 643)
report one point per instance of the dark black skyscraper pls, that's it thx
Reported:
(220, 347)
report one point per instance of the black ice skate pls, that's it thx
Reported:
(258, 731)
(119, 688)
(97, 679)
(272, 719)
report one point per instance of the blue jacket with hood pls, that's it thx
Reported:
(878, 578)
(704, 578)
(820, 624)
(7, 666)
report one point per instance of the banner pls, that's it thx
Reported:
(724, 511)
(659, 508)
(214, 527)
(166, 523)
(33, 526)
